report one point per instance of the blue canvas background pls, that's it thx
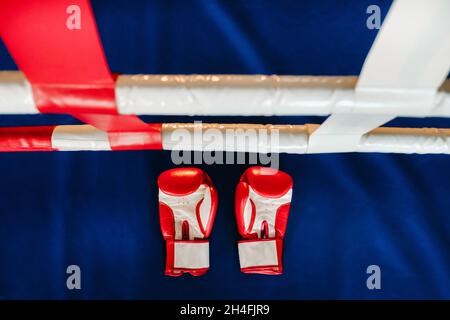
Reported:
(99, 209)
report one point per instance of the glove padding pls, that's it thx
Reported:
(187, 208)
(262, 203)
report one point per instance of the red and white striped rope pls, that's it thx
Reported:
(216, 137)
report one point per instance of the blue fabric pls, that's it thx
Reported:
(99, 209)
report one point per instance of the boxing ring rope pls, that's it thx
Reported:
(237, 95)
(220, 137)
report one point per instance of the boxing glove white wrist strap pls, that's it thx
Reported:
(258, 253)
(191, 254)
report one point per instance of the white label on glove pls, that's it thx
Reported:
(258, 253)
(191, 255)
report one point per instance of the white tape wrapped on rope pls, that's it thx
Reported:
(397, 140)
(80, 137)
(15, 94)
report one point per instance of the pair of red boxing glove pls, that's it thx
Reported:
(187, 207)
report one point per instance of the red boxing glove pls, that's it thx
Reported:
(262, 202)
(187, 208)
